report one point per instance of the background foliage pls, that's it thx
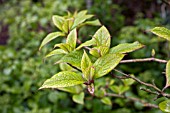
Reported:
(22, 71)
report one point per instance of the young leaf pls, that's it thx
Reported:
(167, 74)
(102, 37)
(126, 47)
(50, 37)
(105, 64)
(93, 23)
(106, 101)
(80, 18)
(58, 21)
(72, 89)
(65, 26)
(165, 106)
(55, 52)
(72, 38)
(99, 51)
(64, 46)
(87, 43)
(161, 32)
(85, 62)
(73, 58)
(79, 98)
(63, 79)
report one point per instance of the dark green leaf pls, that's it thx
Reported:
(63, 79)
(105, 64)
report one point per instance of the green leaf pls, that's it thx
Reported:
(55, 52)
(73, 58)
(58, 21)
(128, 82)
(87, 43)
(50, 37)
(93, 23)
(63, 79)
(102, 37)
(99, 51)
(167, 74)
(161, 32)
(65, 26)
(85, 62)
(79, 98)
(119, 89)
(126, 47)
(72, 38)
(66, 67)
(106, 63)
(64, 46)
(106, 101)
(165, 106)
(72, 89)
(80, 18)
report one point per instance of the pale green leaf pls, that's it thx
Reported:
(87, 43)
(128, 82)
(79, 98)
(165, 106)
(58, 21)
(63, 79)
(106, 63)
(72, 38)
(50, 37)
(65, 26)
(106, 101)
(85, 62)
(102, 37)
(95, 52)
(73, 58)
(72, 89)
(93, 23)
(167, 74)
(55, 52)
(66, 67)
(126, 47)
(99, 51)
(161, 32)
(64, 46)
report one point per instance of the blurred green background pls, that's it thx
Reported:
(23, 25)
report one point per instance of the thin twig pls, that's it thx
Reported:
(144, 60)
(159, 92)
(146, 104)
